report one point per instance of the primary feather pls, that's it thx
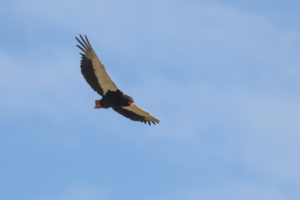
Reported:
(93, 70)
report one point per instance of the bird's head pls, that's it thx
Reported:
(129, 100)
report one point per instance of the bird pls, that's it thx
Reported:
(96, 76)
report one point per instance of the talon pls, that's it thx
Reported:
(97, 104)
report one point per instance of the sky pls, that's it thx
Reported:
(222, 76)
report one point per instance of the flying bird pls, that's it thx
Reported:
(96, 76)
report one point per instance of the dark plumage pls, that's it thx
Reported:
(96, 76)
(117, 98)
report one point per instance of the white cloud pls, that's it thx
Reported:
(80, 192)
(234, 190)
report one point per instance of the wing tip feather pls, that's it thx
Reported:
(85, 45)
(82, 49)
(150, 122)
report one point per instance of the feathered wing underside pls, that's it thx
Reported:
(136, 113)
(93, 70)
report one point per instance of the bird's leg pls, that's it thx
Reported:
(98, 105)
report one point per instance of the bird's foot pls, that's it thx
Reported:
(98, 105)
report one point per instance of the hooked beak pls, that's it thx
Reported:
(130, 103)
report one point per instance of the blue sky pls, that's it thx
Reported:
(223, 77)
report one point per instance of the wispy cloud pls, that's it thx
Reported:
(79, 192)
(232, 190)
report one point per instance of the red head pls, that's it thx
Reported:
(130, 103)
(129, 100)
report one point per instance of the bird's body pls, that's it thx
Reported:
(113, 99)
(96, 76)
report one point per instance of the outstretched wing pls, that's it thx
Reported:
(93, 70)
(137, 114)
